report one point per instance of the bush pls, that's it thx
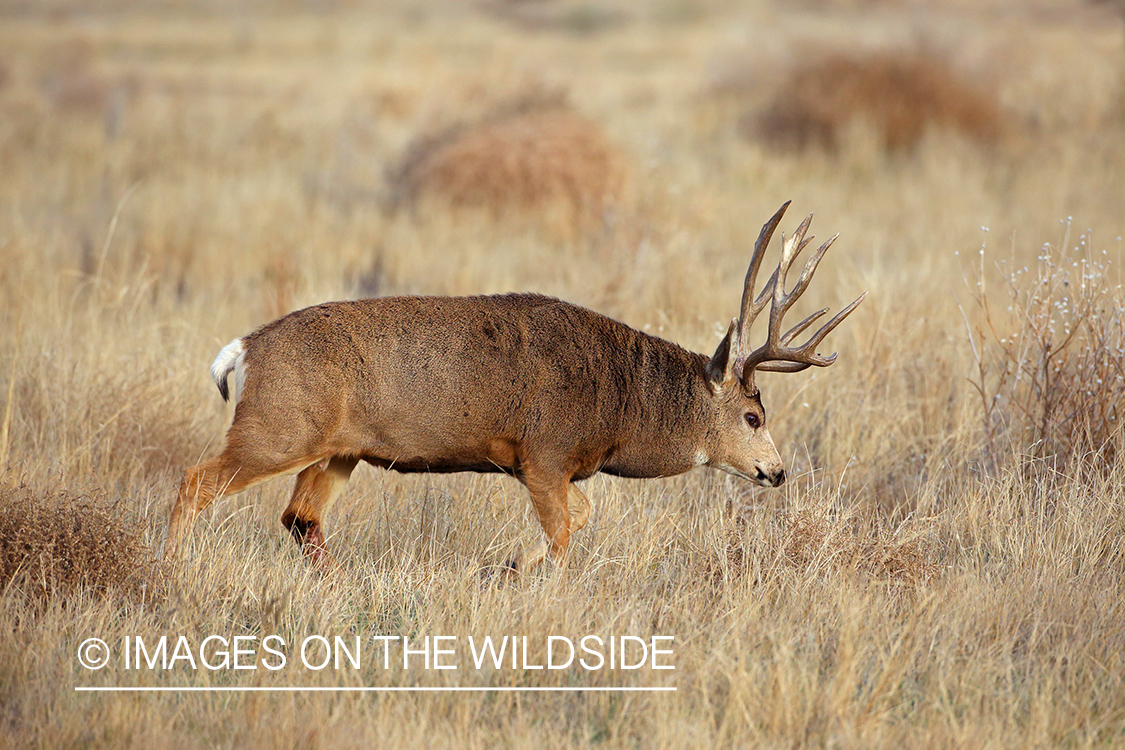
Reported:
(827, 537)
(534, 157)
(55, 544)
(70, 80)
(901, 95)
(1050, 356)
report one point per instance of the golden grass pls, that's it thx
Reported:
(914, 585)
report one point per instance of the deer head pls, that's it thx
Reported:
(741, 442)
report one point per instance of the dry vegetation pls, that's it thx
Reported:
(534, 160)
(946, 567)
(900, 95)
(57, 545)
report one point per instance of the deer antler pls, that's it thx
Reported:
(776, 355)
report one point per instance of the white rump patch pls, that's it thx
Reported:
(701, 458)
(232, 358)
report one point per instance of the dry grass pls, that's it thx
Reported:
(925, 580)
(900, 95)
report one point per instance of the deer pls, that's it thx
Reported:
(523, 384)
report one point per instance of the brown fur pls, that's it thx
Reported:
(523, 384)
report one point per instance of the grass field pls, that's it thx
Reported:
(945, 568)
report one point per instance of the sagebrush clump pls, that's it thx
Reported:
(1050, 355)
(900, 95)
(56, 543)
(535, 158)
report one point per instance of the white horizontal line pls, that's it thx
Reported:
(364, 689)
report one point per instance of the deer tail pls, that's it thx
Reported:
(232, 358)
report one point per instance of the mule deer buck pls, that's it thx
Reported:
(523, 384)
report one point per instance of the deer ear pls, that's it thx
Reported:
(721, 367)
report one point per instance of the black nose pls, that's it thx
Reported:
(776, 480)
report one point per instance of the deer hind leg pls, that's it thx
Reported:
(202, 485)
(246, 460)
(316, 489)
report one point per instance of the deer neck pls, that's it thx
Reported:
(665, 418)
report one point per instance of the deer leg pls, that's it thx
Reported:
(247, 459)
(549, 498)
(316, 489)
(201, 486)
(579, 506)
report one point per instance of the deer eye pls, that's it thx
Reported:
(753, 420)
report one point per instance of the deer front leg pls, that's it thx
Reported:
(248, 458)
(579, 506)
(316, 489)
(561, 512)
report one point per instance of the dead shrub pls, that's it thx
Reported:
(900, 95)
(1050, 356)
(812, 537)
(534, 158)
(574, 18)
(52, 545)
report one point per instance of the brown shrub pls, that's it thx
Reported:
(813, 538)
(900, 95)
(536, 157)
(55, 544)
(573, 18)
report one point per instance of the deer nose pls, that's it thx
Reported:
(775, 479)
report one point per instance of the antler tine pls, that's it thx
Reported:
(806, 275)
(798, 329)
(826, 329)
(750, 307)
(776, 355)
(789, 252)
(769, 289)
(804, 356)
